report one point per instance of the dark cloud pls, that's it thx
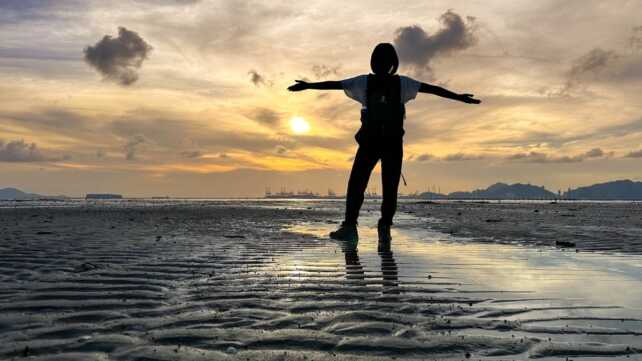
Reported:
(418, 48)
(258, 79)
(594, 153)
(588, 66)
(118, 58)
(539, 157)
(265, 116)
(131, 147)
(321, 71)
(191, 154)
(281, 150)
(19, 151)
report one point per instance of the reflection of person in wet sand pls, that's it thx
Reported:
(382, 95)
(355, 271)
(388, 269)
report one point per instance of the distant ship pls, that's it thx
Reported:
(103, 196)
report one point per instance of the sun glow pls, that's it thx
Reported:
(299, 125)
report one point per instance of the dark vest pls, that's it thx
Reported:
(382, 119)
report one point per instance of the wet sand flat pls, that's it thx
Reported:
(259, 281)
(589, 226)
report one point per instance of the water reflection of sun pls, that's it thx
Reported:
(299, 125)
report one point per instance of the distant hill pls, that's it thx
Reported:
(507, 191)
(16, 194)
(616, 190)
(626, 190)
(497, 191)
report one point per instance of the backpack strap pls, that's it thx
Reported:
(392, 88)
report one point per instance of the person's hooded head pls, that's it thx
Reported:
(384, 59)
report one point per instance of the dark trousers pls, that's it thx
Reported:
(390, 152)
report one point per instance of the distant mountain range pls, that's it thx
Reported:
(16, 194)
(620, 190)
(616, 190)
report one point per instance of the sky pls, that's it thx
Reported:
(188, 98)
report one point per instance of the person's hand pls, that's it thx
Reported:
(300, 85)
(468, 98)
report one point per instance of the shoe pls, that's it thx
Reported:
(384, 232)
(346, 232)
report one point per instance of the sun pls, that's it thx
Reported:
(299, 125)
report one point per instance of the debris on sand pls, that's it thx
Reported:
(565, 244)
(493, 220)
(233, 236)
(85, 267)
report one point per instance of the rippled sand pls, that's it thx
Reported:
(259, 281)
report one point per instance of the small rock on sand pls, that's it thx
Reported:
(564, 244)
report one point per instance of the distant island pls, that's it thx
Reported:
(626, 190)
(12, 194)
(499, 191)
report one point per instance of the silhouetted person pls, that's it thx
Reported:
(382, 95)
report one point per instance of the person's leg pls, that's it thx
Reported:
(364, 161)
(391, 159)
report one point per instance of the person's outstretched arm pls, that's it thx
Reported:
(324, 85)
(445, 93)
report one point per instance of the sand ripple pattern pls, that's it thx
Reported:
(218, 282)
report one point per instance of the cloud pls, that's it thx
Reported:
(258, 79)
(321, 71)
(265, 116)
(634, 154)
(118, 59)
(635, 41)
(594, 153)
(281, 149)
(424, 157)
(168, 2)
(19, 151)
(539, 157)
(588, 66)
(418, 48)
(191, 154)
(17, 11)
(462, 156)
(131, 147)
